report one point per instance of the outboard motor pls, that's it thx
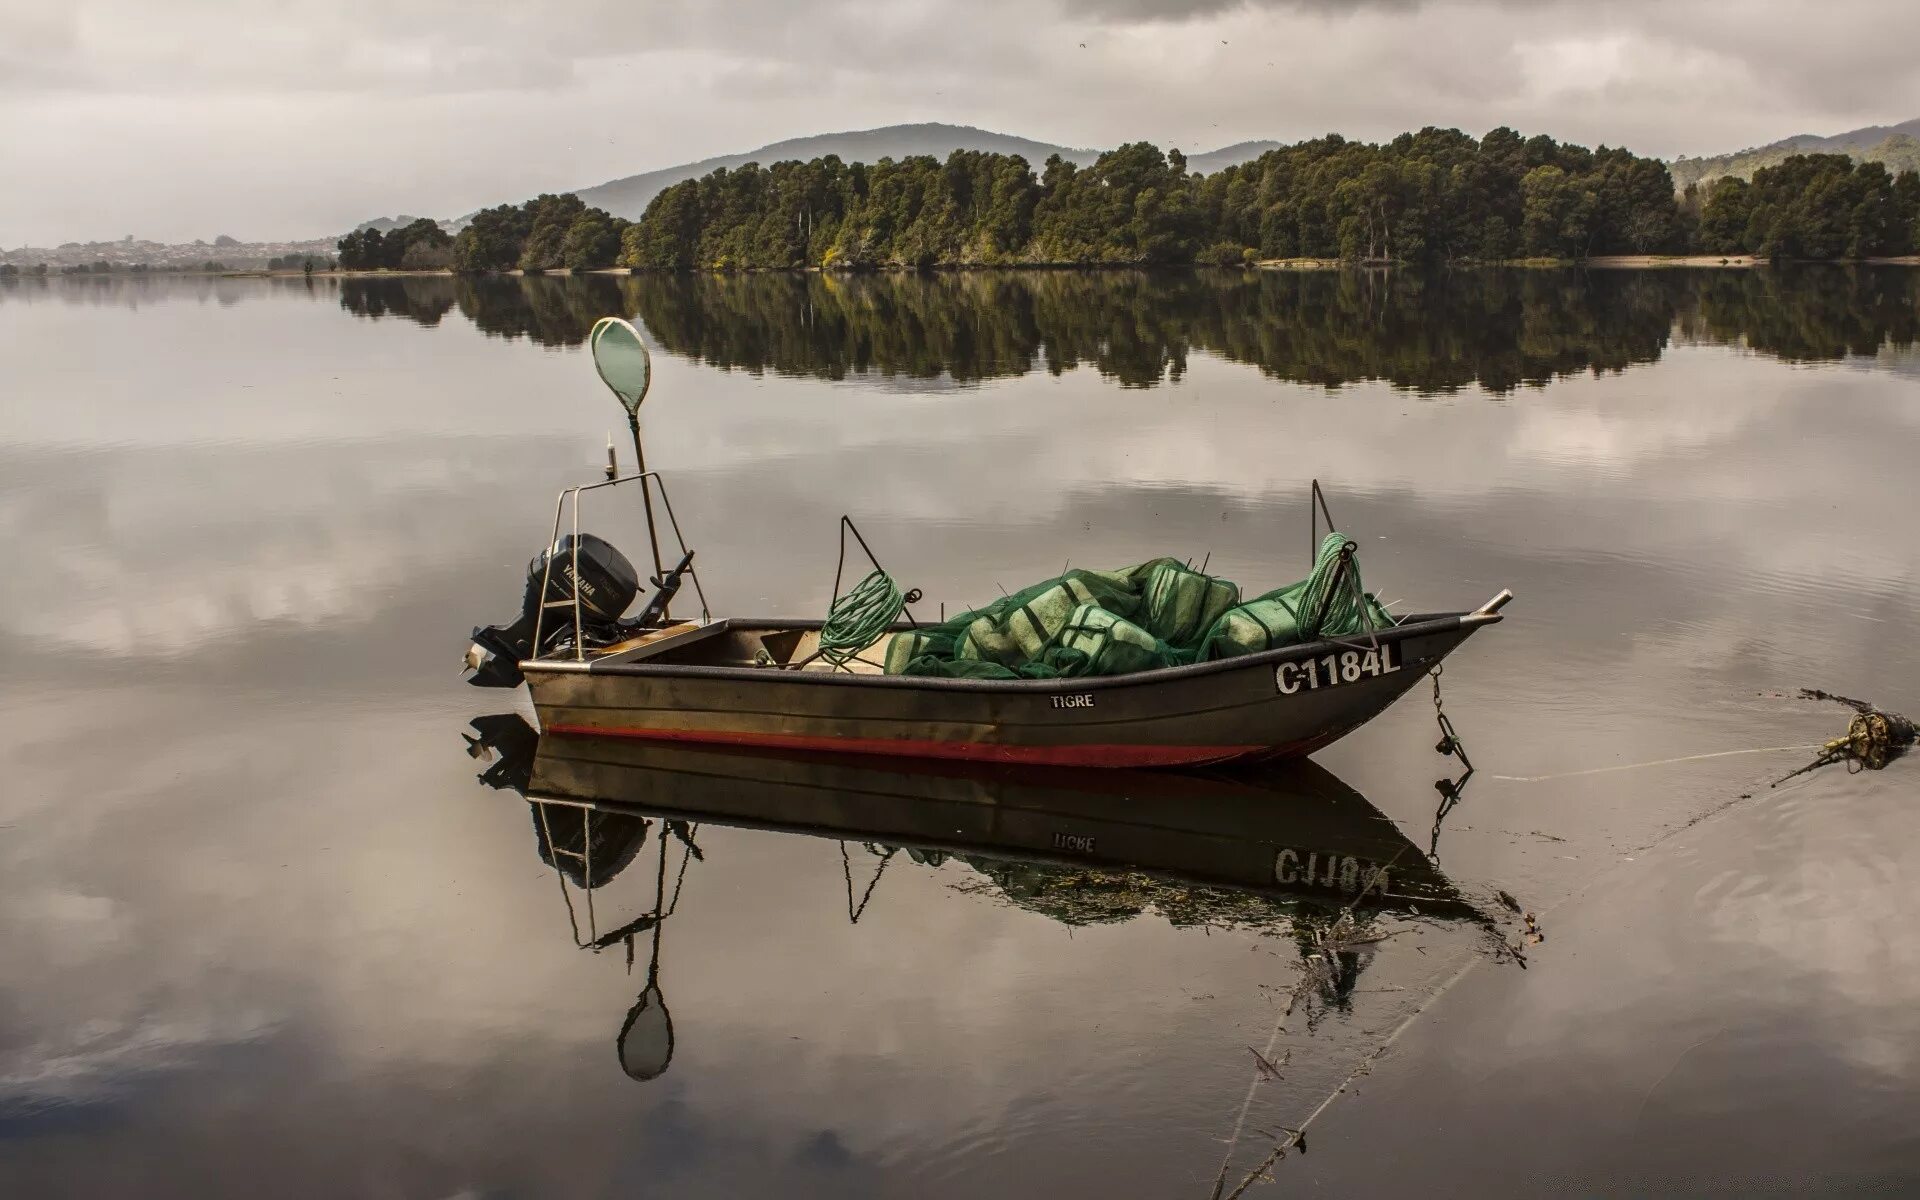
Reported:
(606, 586)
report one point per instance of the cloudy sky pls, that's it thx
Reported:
(272, 118)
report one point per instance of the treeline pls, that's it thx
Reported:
(417, 246)
(1429, 332)
(1437, 196)
(544, 234)
(1813, 206)
(1434, 196)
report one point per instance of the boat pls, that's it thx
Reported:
(779, 684)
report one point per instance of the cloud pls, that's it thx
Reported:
(299, 120)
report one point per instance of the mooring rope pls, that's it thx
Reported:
(858, 619)
(1656, 762)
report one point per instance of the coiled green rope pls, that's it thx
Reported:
(859, 618)
(1321, 607)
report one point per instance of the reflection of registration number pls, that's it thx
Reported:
(1341, 666)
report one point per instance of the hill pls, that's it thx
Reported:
(385, 224)
(1898, 146)
(1228, 156)
(628, 197)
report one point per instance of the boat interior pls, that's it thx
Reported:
(786, 644)
(727, 642)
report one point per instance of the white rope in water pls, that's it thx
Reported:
(1657, 762)
(1433, 997)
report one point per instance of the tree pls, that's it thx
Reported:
(362, 250)
(1726, 215)
(427, 255)
(1813, 206)
(592, 241)
(492, 240)
(1906, 192)
(548, 217)
(418, 245)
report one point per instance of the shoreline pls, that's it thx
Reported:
(1599, 262)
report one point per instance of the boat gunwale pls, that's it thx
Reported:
(1422, 626)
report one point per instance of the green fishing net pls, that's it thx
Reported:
(1160, 613)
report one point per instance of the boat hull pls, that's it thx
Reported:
(1236, 710)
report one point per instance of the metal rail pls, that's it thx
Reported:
(650, 482)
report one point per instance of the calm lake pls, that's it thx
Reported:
(266, 931)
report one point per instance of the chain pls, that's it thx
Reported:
(1450, 746)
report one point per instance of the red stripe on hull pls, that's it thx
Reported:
(1102, 755)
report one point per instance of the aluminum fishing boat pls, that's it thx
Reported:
(774, 683)
(727, 681)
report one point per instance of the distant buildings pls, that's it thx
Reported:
(130, 252)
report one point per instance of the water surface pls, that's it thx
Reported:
(266, 931)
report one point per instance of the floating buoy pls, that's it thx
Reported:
(1873, 739)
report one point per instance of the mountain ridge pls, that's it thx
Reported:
(1898, 146)
(628, 196)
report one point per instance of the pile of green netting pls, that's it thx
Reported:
(1158, 614)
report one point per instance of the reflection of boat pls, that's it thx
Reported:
(1289, 828)
(1261, 849)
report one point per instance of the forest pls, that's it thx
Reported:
(1428, 197)
(1814, 206)
(1437, 196)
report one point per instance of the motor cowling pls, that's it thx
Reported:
(599, 576)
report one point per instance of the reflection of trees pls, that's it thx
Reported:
(1426, 332)
(420, 298)
(1429, 332)
(971, 326)
(549, 310)
(552, 311)
(1809, 313)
